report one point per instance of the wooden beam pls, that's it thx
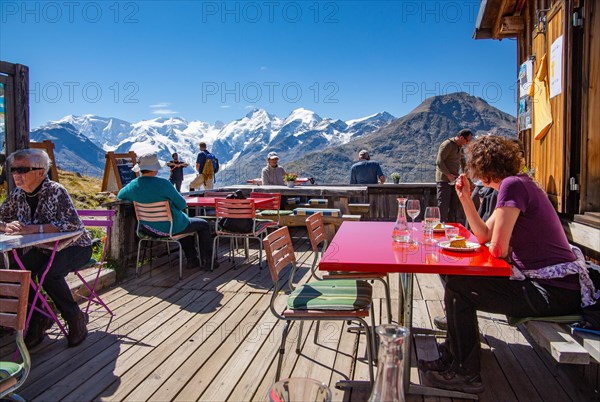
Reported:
(512, 25)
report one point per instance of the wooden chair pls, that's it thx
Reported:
(96, 218)
(159, 212)
(318, 237)
(14, 290)
(227, 208)
(331, 300)
(272, 207)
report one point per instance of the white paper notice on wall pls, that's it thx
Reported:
(555, 67)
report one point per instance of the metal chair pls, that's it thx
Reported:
(317, 236)
(96, 218)
(159, 212)
(227, 208)
(14, 290)
(330, 300)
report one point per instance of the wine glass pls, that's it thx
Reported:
(430, 221)
(413, 209)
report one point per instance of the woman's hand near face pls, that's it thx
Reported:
(463, 187)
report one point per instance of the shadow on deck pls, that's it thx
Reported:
(212, 337)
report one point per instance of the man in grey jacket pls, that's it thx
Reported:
(450, 160)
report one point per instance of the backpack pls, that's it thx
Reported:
(209, 169)
(237, 225)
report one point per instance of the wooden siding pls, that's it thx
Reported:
(548, 154)
(591, 116)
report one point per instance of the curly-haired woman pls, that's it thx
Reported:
(548, 279)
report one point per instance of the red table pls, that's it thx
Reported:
(368, 247)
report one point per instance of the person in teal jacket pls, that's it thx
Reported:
(149, 188)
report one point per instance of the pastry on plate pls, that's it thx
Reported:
(458, 242)
(439, 226)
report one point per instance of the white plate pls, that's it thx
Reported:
(442, 230)
(471, 246)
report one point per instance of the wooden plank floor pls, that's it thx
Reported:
(211, 337)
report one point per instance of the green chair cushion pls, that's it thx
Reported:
(561, 319)
(335, 294)
(271, 212)
(9, 370)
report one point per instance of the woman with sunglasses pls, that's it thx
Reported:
(39, 205)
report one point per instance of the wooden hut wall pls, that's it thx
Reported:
(590, 180)
(548, 154)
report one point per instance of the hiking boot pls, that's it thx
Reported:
(77, 328)
(192, 263)
(453, 381)
(443, 363)
(36, 332)
(441, 322)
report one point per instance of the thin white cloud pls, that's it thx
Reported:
(224, 106)
(164, 111)
(263, 68)
(160, 105)
(249, 107)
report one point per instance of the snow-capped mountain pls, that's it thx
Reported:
(241, 145)
(104, 132)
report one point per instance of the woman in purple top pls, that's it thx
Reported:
(524, 229)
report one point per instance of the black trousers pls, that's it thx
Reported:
(467, 294)
(202, 227)
(448, 203)
(68, 260)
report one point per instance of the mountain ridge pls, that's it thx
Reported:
(308, 144)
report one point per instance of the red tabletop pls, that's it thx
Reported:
(368, 247)
(210, 201)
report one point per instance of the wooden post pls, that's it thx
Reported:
(47, 146)
(15, 78)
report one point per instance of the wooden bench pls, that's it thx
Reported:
(558, 341)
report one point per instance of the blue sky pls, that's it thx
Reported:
(214, 60)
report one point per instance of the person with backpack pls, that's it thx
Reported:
(206, 166)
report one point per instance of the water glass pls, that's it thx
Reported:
(299, 389)
(451, 232)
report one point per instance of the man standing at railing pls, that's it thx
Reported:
(366, 171)
(176, 176)
(450, 160)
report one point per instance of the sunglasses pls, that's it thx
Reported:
(23, 169)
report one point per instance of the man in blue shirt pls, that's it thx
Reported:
(366, 172)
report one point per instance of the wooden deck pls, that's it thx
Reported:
(211, 337)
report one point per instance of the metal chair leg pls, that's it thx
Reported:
(180, 260)
(284, 335)
(215, 246)
(298, 343)
(388, 301)
(137, 262)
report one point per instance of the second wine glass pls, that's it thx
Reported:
(431, 219)
(413, 209)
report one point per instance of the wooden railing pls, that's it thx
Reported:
(380, 198)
